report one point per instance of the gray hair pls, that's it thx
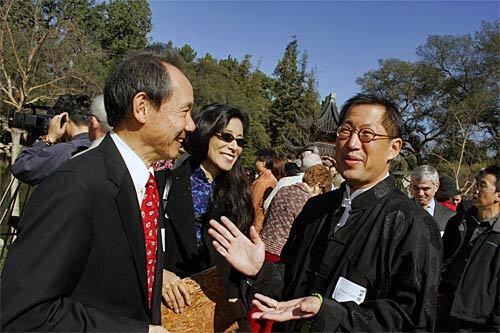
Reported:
(425, 172)
(98, 110)
(310, 160)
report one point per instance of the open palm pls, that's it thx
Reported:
(299, 308)
(244, 254)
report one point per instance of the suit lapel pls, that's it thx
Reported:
(128, 207)
(180, 207)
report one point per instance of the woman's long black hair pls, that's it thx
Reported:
(233, 187)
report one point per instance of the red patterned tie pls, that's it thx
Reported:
(149, 212)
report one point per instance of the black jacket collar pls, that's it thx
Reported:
(373, 195)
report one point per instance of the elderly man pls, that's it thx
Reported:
(469, 291)
(361, 258)
(424, 185)
(89, 252)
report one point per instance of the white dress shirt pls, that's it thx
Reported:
(347, 200)
(431, 207)
(135, 165)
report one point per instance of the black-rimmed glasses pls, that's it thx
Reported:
(365, 135)
(228, 137)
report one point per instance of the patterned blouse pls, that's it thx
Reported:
(284, 208)
(201, 192)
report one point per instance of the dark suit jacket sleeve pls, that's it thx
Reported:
(46, 261)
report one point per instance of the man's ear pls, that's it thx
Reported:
(94, 123)
(395, 148)
(140, 103)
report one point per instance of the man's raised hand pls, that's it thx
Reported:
(244, 254)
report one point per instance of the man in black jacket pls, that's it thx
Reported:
(469, 291)
(89, 252)
(361, 258)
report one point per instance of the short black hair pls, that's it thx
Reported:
(491, 170)
(77, 107)
(267, 156)
(141, 72)
(392, 122)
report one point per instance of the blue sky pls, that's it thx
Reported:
(343, 39)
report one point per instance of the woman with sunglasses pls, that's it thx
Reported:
(207, 184)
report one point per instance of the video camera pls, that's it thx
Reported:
(33, 122)
(37, 124)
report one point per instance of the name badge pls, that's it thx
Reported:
(348, 291)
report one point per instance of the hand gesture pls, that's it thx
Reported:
(245, 255)
(299, 308)
(175, 292)
(56, 131)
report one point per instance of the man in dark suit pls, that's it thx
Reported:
(424, 185)
(89, 251)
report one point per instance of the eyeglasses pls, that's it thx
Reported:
(484, 187)
(228, 137)
(365, 135)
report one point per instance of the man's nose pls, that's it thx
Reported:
(354, 142)
(190, 126)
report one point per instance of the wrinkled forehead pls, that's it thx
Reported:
(179, 82)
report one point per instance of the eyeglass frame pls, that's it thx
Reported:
(240, 142)
(482, 187)
(358, 132)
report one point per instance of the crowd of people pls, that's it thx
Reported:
(140, 196)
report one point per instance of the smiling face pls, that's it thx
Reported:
(221, 155)
(166, 127)
(363, 164)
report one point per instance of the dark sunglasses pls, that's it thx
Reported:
(228, 137)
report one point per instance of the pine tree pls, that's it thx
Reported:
(295, 98)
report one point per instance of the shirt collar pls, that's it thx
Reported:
(200, 175)
(350, 196)
(431, 208)
(135, 165)
(492, 221)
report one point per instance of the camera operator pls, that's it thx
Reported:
(72, 124)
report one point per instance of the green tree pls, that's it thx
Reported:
(448, 99)
(295, 98)
(125, 26)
